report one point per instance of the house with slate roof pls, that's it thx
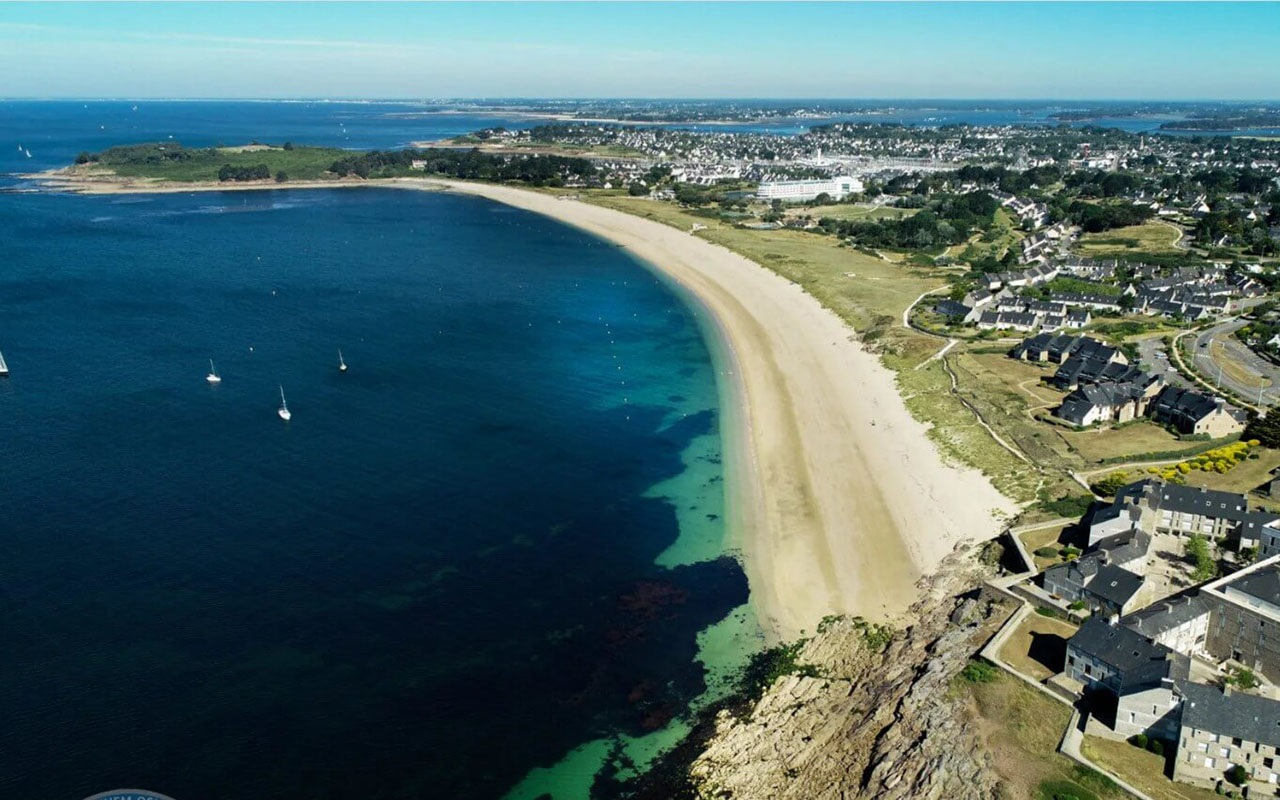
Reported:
(1244, 623)
(1108, 578)
(1220, 730)
(1106, 656)
(1195, 413)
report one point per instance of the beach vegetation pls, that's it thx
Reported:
(769, 665)
(1071, 505)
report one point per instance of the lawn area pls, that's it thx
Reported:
(1038, 647)
(1132, 439)
(1021, 728)
(1244, 477)
(1149, 237)
(1045, 537)
(1144, 770)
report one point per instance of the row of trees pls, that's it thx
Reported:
(537, 170)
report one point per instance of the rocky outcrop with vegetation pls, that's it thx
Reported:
(865, 712)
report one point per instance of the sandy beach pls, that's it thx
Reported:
(838, 500)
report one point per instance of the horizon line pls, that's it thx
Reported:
(513, 98)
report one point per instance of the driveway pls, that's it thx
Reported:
(1155, 357)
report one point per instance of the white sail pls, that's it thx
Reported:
(342, 365)
(4, 368)
(284, 412)
(213, 376)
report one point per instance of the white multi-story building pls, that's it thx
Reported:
(802, 191)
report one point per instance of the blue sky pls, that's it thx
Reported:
(1003, 50)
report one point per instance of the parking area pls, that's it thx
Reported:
(1153, 354)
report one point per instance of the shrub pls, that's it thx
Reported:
(1069, 552)
(979, 670)
(1077, 605)
(1138, 740)
(1242, 678)
(1237, 775)
(1068, 505)
(1046, 552)
(1045, 611)
(1156, 746)
(1111, 483)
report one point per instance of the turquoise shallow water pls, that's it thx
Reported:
(441, 575)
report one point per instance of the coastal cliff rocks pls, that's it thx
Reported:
(874, 723)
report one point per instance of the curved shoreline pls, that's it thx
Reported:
(840, 501)
(836, 496)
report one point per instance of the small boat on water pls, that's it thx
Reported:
(284, 412)
(342, 365)
(213, 376)
(4, 368)
(28, 152)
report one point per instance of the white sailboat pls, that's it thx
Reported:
(342, 365)
(284, 412)
(28, 152)
(4, 368)
(213, 376)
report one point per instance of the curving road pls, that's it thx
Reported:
(1219, 344)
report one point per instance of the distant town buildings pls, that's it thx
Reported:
(803, 191)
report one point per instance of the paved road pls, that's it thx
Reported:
(1220, 344)
(1152, 353)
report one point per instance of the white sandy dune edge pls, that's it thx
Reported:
(842, 503)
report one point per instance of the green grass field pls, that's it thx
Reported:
(299, 163)
(1150, 237)
(1128, 440)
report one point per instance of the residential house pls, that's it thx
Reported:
(1106, 656)
(1195, 413)
(1244, 623)
(1108, 579)
(1222, 729)
(1179, 623)
(1118, 401)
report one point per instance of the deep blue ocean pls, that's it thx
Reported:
(438, 576)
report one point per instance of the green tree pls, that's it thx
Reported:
(1197, 550)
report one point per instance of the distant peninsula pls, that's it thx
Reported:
(170, 165)
(1226, 121)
